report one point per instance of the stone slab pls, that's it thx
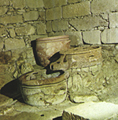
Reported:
(92, 111)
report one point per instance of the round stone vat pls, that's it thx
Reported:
(43, 92)
(47, 47)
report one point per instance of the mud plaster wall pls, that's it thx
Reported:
(22, 21)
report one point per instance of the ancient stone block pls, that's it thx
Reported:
(75, 37)
(49, 26)
(35, 3)
(11, 19)
(103, 6)
(49, 5)
(59, 25)
(4, 2)
(32, 15)
(41, 28)
(25, 30)
(88, 23)
(110, 35)
(113, 18)
(53, 13)
(79, 9)
(18, 3)
(14, 43)
(3, 10)
(92, 37)
(59, 2)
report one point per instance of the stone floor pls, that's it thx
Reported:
(15, 110)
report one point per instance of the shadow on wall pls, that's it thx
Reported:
(12, 90)
(33, 45)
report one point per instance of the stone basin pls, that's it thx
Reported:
(43, 92)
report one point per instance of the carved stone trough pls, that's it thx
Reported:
(47, 91)
(78, 57)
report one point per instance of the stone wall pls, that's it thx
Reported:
(21, 22)
(86, 21)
